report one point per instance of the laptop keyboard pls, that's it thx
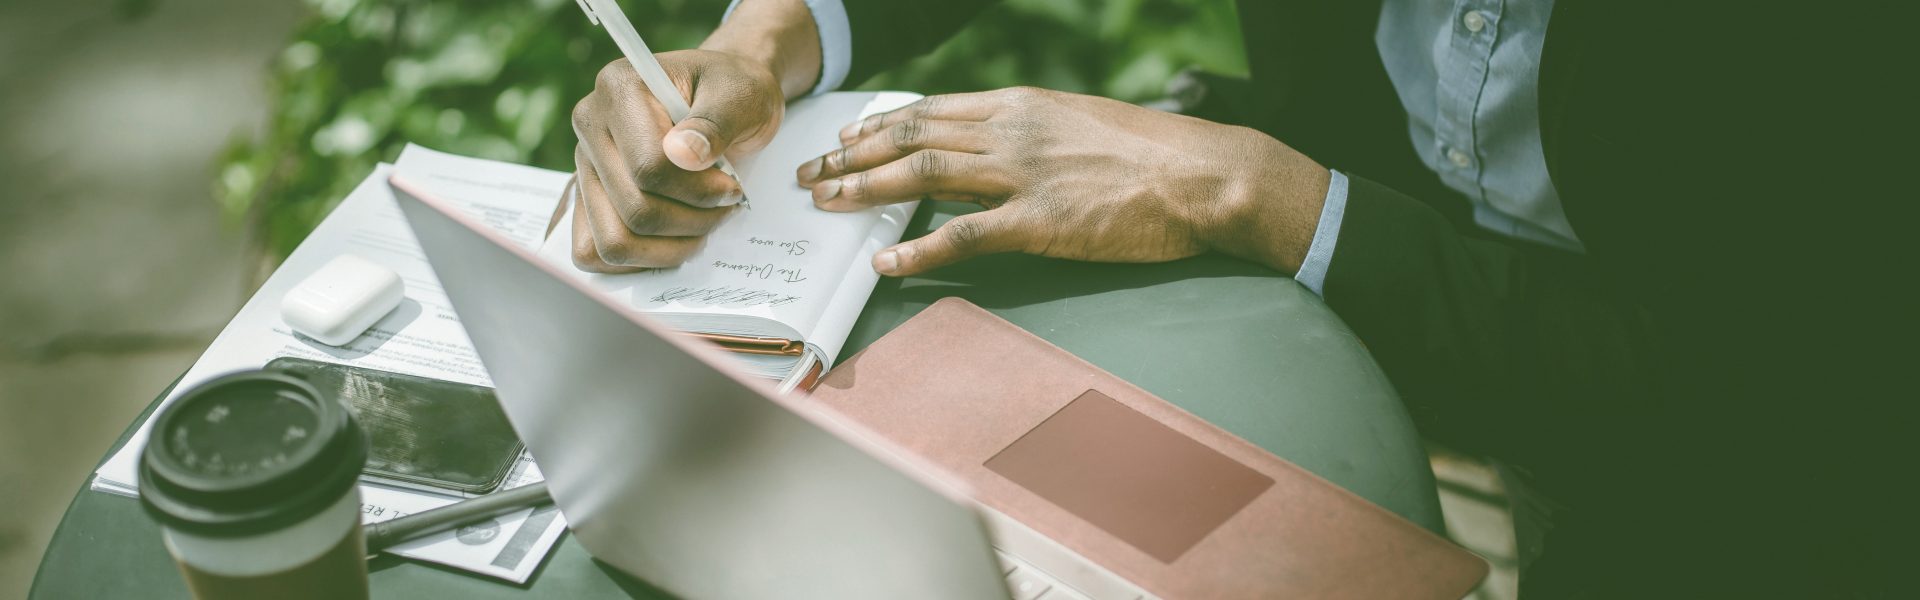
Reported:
(1039, 568)
(1028, 582)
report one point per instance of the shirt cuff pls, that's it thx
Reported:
(836, 42)
(1313, 270)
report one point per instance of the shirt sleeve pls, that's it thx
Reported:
(836, 41)
(1313, 270)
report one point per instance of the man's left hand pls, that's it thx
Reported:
(1073, 176)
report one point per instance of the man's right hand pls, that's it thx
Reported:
(649, 190)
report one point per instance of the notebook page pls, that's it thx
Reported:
(780, 259)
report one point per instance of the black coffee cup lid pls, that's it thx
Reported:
(248, 453)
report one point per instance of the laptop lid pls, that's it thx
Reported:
(674, 469)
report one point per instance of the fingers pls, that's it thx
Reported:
(976, 106)
(613, 241)
(936, 148)
(964, 237)
(895, 142)
(643, 211)
(939, 174)
(585, 256)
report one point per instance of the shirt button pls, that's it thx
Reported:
(1460, 159)
(1474, 21)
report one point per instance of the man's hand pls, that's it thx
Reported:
(648, 190)
(1076, 177)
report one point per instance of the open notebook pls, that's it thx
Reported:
(780, 282)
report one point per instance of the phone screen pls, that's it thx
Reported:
(425, 433)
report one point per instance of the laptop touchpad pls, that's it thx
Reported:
(1131, 476)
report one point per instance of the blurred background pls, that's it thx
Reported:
(159, 157)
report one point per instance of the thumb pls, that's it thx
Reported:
(718, 119)
(964, 237)
(695, 143)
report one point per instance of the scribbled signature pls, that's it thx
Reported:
(725, 296)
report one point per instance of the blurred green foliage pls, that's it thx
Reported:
(498, 79)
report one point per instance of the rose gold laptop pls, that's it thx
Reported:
(896, 480)
(1065, 456)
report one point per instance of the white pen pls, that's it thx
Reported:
(606, 14)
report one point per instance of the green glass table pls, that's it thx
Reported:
(1238, 345)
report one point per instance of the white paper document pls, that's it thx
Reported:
(422, 337)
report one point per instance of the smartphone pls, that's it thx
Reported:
(427, 434)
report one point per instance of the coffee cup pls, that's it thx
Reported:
(253, 477)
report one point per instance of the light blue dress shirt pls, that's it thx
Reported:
(1465, 70)
(1467, 74)
(836, 41)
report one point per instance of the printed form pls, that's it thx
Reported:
(422, 337)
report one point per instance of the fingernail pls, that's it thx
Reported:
(810, 171)
(852, 129)
(887, 262)
(827, 190)
(903, 254)
(694, 141)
